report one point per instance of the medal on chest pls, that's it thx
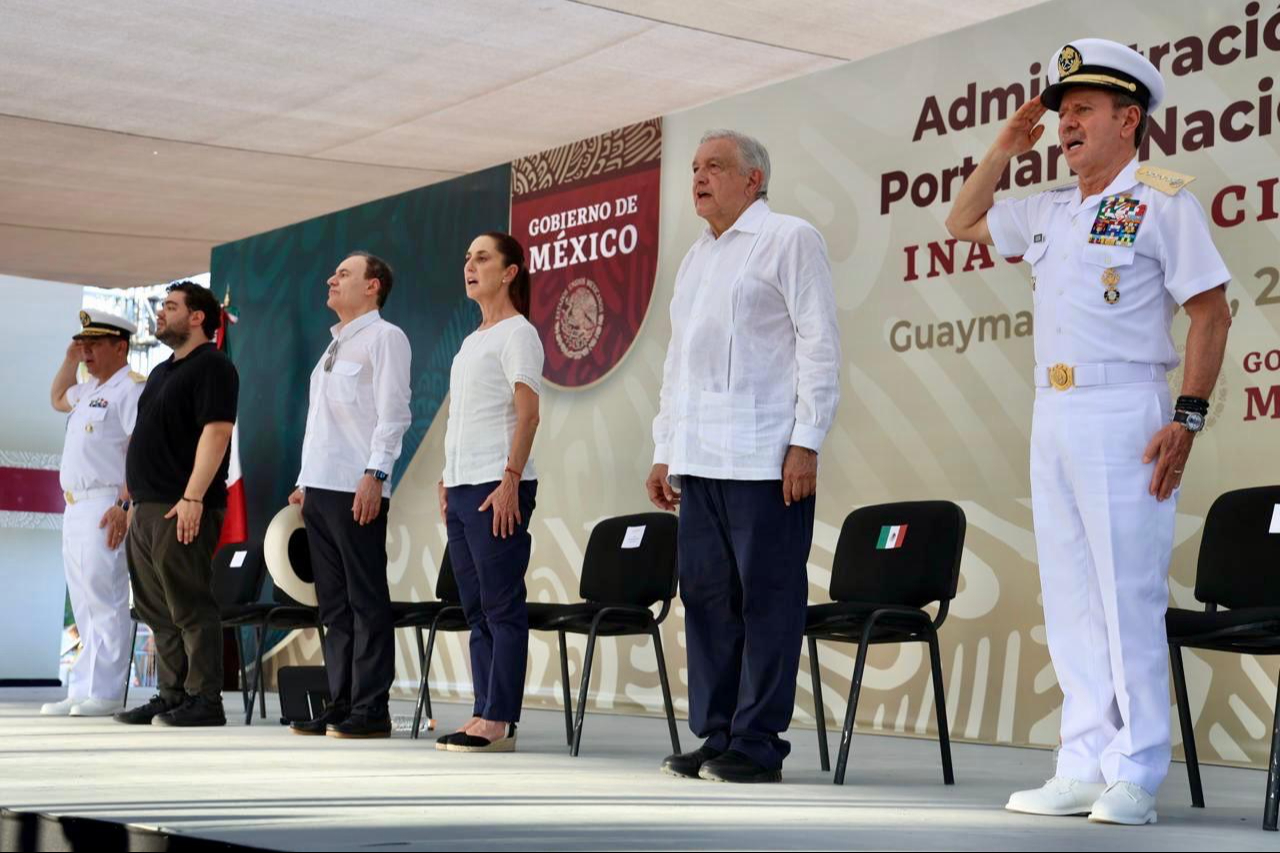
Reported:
(1111, 280)
(1118, 220)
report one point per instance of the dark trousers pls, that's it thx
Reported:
(349, 563)
(173, 594)
(744, 585)
(490, 574)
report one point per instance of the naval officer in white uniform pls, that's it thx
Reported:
(102, 410)
(1112, 256)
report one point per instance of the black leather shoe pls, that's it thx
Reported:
(197, 711)
(687, 764)
(733, 766)
(144, 714)
(360, 726)
(331, 716)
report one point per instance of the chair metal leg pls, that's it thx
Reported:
(855, 687)
(424, 692)
(1271, 808)
(1188, 726)
(258, 631)
(564, 685)
(582, 691)
(819, 713)
(244, 681)
(133, 644)
(262, 687)
(666, 688)
(940, 707)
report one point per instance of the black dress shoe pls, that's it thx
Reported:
(361, 726)
(687, 764)
(144, 714)
(197, 711)
(733, 766)
(331, 715)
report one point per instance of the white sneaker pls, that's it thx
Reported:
(1059, 796)
(57, 709)
(1124, 802)
(97, 707)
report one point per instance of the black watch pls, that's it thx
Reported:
(1192, 422)
(380, 476)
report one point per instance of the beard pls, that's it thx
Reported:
(172, 338)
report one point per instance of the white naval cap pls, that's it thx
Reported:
(97, 324)
(1103, 64)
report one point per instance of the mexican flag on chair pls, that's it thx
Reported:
(891, 536)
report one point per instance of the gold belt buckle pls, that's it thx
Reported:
(1062, 377)
(70, 497)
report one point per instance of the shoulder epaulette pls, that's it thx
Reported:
(1164, 180)
(137, 377)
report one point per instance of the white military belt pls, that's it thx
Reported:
(1060, 377)
(87, 494)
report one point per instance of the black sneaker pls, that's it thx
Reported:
(734, 766)
(332, 715)
(195, 711)
(144, 714)
(687, 764)
(361, 725)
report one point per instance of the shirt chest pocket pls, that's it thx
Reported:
(1100, 257)
(342, 385)
(90, 418)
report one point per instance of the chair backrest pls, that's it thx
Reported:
(300, 559)
(446, 583)
(1239, 563)
(631, 559)
(238, 573)
(900, 553)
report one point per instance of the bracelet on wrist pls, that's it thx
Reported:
(192, 500)
(511, 471)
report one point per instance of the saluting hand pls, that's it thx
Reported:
(1023, 129)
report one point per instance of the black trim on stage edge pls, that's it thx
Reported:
(23, 831)
(30, 682)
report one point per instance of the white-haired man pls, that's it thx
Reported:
(749, 391)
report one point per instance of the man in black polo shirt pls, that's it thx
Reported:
(176, 470)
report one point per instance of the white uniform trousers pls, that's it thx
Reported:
(1104, 545)
(98, 583)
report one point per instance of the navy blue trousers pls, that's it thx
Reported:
(745, 587)
(349, 563)
(490, 573)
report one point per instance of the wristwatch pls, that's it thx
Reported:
(380, 476)
(1192, 422)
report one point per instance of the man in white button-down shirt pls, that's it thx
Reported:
(1111, 256)
(749, 391)
(358, 414)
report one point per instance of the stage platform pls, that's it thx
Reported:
(261, 787)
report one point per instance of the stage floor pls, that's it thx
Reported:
(261, 786)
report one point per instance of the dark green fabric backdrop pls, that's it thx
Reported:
(277, 282)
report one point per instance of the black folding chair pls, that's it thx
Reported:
(621, 581)
(237, 584)
(1238, 568)
(443, 614)
(890, 561)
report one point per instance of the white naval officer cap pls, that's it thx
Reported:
(98, 324)
(1103, 64)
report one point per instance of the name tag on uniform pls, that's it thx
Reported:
(1118, 220)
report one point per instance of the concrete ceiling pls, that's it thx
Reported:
(137, 136)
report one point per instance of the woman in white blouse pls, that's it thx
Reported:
(489, 485)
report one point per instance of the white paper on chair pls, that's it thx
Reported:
(633, 537)
(237, 559)
(1275, 520)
